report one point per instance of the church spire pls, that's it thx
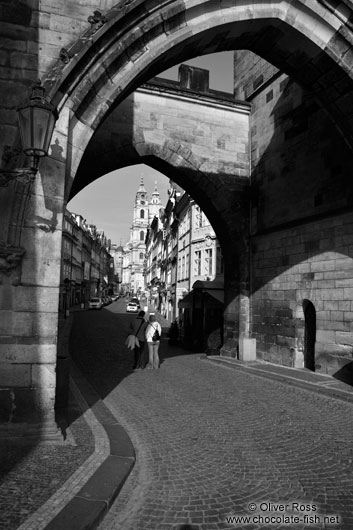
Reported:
(156, 192)
(142, 188)
(155, 203)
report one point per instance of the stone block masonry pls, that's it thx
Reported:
(280, 292)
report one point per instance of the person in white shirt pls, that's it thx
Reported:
(153, 342)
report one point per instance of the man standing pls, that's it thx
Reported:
(138, 328)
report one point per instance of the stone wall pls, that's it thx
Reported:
(302, 231)
(314, 262)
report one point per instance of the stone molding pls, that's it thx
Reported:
(10, 262)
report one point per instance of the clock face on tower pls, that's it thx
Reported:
(142, 202)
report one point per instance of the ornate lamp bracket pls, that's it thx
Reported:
(23, 175)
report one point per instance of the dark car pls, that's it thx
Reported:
(135, 301)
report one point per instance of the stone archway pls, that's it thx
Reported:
(131, 43)
(134, 43)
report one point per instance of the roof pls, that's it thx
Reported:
(217, 283)
(211, 296)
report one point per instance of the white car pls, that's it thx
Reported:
(132, 307)
(95, 303)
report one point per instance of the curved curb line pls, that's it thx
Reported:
(336, 393)
(39, 519)
(91, 503)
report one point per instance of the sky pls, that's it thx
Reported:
(108, 202)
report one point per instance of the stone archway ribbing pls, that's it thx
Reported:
(308, 41)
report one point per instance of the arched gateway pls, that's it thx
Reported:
(98, 68)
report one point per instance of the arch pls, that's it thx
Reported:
(309, 42)
(142, 214)
(309, 334)
(142, 235)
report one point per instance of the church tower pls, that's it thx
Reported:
(135, 250)
(140, 215)
(155, 204)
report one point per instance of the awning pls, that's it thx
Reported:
(214, 295)
(187, 300)
(217, 283)
(217, 295)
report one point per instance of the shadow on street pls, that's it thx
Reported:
(97, 346)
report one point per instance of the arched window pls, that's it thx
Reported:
(142, 214)
(142, 235)
(141, 256)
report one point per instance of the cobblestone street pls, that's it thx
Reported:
(209, 440)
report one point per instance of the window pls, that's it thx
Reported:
(67, 271)
(197, 268)
(198, 217)
(67, 246)
(183, 267)
(208, 260)
(142, 235)
(219, 260)
(142, 214)
(141, 256)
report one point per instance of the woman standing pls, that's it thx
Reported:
(153, 335)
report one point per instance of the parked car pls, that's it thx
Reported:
(95, 303)
(106, 300)
(135, 300)
(132, 307)
(114, 297)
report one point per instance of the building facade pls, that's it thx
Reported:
(181, 249)
(117, 252)
(87, 267)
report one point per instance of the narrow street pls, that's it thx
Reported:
(212, 442)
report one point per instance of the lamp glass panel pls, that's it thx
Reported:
(50, 129)
(41, 118)
(24, 120)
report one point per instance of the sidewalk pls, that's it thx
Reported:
(302, 378)
(71, 485)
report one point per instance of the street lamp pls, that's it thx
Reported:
(36, 120)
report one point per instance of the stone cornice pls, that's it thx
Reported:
(206, 99)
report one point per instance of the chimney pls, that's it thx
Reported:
(194, 78)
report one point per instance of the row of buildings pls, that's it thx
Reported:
(87, 267)
(172, 254)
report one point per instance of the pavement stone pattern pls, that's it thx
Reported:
(31, 473)
(210, 440)
(38, 477)
(79, 477)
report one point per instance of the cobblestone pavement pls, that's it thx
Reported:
(31, 473)
(211, 440)
(32, 470)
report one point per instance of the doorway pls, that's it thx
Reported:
(309, 335)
